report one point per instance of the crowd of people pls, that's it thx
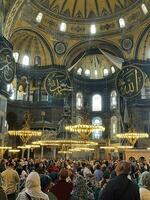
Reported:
(22, 179)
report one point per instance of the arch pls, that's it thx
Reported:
(81, 48)
(97, 121)
(79, 101)
(43, 39)
(96, 102)
(37, 60)
(105, 72)
(113, 100)
(145, 92)
(114, 125)
(141, 36)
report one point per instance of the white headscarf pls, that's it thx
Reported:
(33, 187)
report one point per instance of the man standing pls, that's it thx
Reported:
(10, 178)
(121, 188)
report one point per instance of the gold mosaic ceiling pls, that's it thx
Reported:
(84, 9)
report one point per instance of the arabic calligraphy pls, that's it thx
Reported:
(7, 66)
(129, 81)
(57, 84)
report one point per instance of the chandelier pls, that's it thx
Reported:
(78, 149)
(84, 129)
(28, 146)
(132, 137)
(61, 142)
(14, 150)
(25, 133)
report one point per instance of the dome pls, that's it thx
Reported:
(95, 67)
(87, 10)
(30, 44)
(143, 48)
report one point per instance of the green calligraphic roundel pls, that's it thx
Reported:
(57, 84)
(129, 81)
(7, 66)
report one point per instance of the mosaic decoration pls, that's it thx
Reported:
(60, 48)
(127, 44)
(81, 9)
(57, 84)
(7, 66)
(129, 81)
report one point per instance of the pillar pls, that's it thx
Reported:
(42, 151)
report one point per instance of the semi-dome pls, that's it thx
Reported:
(32, 45)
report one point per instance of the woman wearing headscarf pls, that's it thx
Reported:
(145, 189)
(2, 192)
(80, 190)
(32, 189)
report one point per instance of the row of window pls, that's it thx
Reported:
(96, 101)
(98, 121)
(87, 72)
(63, 25)
(26, 59)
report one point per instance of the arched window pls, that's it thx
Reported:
(79, 101)
(11, 91)
(97, 134)
(112, 69)
(144, 8)
(113, 100)
(16, 56)
(96, 102)
(25, 60)
(145, 92)
(114, 126)
(39, 17)
(87, 72)
(79, 71)
(37, 60)
(105, 72)
(122, 23)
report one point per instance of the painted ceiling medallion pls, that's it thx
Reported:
(60, 48)
(127, 44)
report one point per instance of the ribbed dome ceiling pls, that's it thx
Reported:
(85, 9)
(28, 43)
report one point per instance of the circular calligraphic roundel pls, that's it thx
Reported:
(129, 81)
(57, 84)
(127, 44)
(60, 48)
(7, 66)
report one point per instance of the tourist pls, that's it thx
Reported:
(11, 179)
(80, 190)
(121, 187)
(46, 184)
(62, 189)
(2, 165)
(98, 173)
(145, 189)
(2, 192)
(32, 189)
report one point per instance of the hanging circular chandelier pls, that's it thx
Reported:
(84, 129)
(61, 142)
(14, 150)
(25, 133)
(132, 137)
